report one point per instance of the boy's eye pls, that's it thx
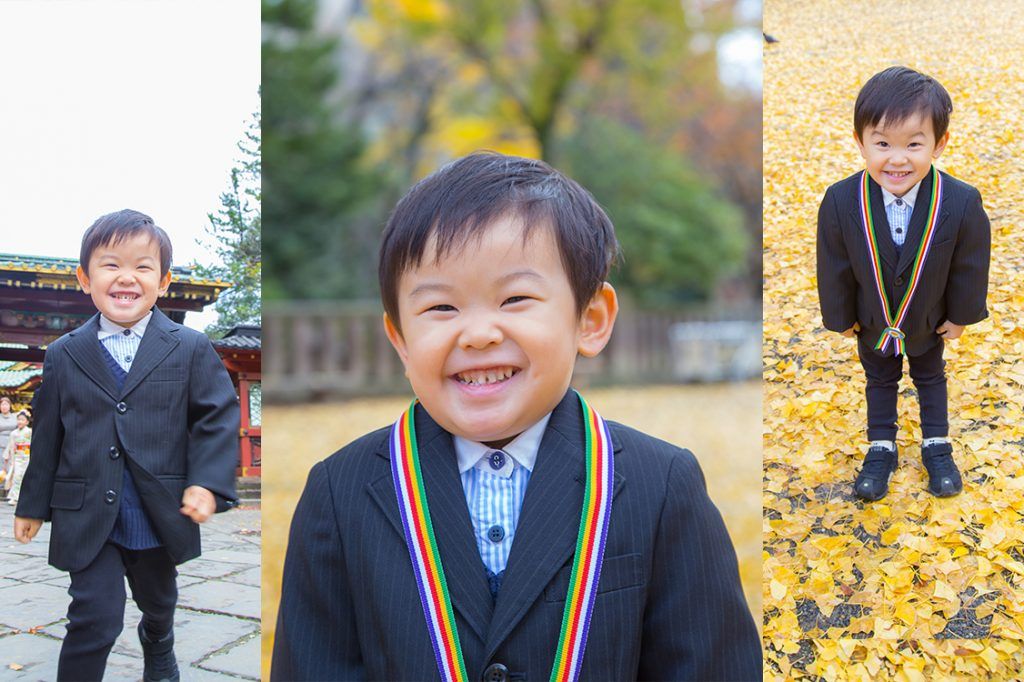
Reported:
(516, 299)
(442, 308)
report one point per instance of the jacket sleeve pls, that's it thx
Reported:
(213, 423)
(837, 288)
(47, 441)
(967, 286)
(316, 635)
(697, 624)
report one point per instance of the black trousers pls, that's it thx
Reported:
(883, 373)
(96, 614)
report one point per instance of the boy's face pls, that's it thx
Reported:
(490, 334)
(898, 157)
(124, 280)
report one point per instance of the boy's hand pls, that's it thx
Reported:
(26, 529)
(197, 503)
(852, 330)
(949, 331)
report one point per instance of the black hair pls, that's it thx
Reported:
(898, 93)
(462, 199)
(114, 228)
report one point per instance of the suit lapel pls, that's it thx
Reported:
(159, 340)
(883, 233)
(549, 522)
(918, 220)
(84, 349)
(464, 569)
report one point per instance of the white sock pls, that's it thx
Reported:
(889, 445)
(932, 441)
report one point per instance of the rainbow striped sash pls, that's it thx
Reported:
(893, 331)
(426, 557)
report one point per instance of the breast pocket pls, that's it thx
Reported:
(617, 573)
(167, 374)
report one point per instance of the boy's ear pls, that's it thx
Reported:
(860, 143)
(940, 146)
(165, 282)
(83, 278)
(395, 337)
(597, 321)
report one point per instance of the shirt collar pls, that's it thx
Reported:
(909, 198)
(523, 448)
(108, 328)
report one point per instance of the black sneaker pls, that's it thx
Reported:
(943, 476)
(160, 664)
(873, 480)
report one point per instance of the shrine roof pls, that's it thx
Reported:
(49, 265)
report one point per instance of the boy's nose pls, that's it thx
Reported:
(480, 333)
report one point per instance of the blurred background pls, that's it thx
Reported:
(655, 107)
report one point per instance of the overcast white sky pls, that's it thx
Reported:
(110, 104)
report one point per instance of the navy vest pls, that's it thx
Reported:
(132, 529)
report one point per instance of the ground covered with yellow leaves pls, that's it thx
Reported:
(720, 424)
(913, 587)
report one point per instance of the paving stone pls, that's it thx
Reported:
(32, 605)
(237, 660)
(223, 597)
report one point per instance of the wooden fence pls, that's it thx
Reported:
(316, 349)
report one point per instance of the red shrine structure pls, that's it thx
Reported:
(40, 300)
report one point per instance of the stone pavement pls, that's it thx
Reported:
(217, 623)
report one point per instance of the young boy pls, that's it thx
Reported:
(492, 274)
(135, 443)
(903, 253)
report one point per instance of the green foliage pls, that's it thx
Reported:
(235, 230)
(315, 183)
(678, 238)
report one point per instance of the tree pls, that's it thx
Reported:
(235, 230)
(317, 185)
(679, 238)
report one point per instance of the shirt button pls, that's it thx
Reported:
(110, 497)
(495, 534)
(899, 202)
(899, 230)
(497, 460)
(128, 358)
(114, 452)
(121, 408)
(127, 332)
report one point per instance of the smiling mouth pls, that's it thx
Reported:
(482, 377)
(897, 174)
(124, 298)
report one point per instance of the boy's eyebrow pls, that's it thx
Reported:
(517, 274)
(431, 287)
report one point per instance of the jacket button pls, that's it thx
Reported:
(496, 672)
(114, 452)
(110, 497)
(121, 408)
(899, 281)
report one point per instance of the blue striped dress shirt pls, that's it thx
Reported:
(898, 210)
(495, 484)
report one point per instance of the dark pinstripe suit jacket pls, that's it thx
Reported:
(174, 424)
(954, 281)
(670, 605)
